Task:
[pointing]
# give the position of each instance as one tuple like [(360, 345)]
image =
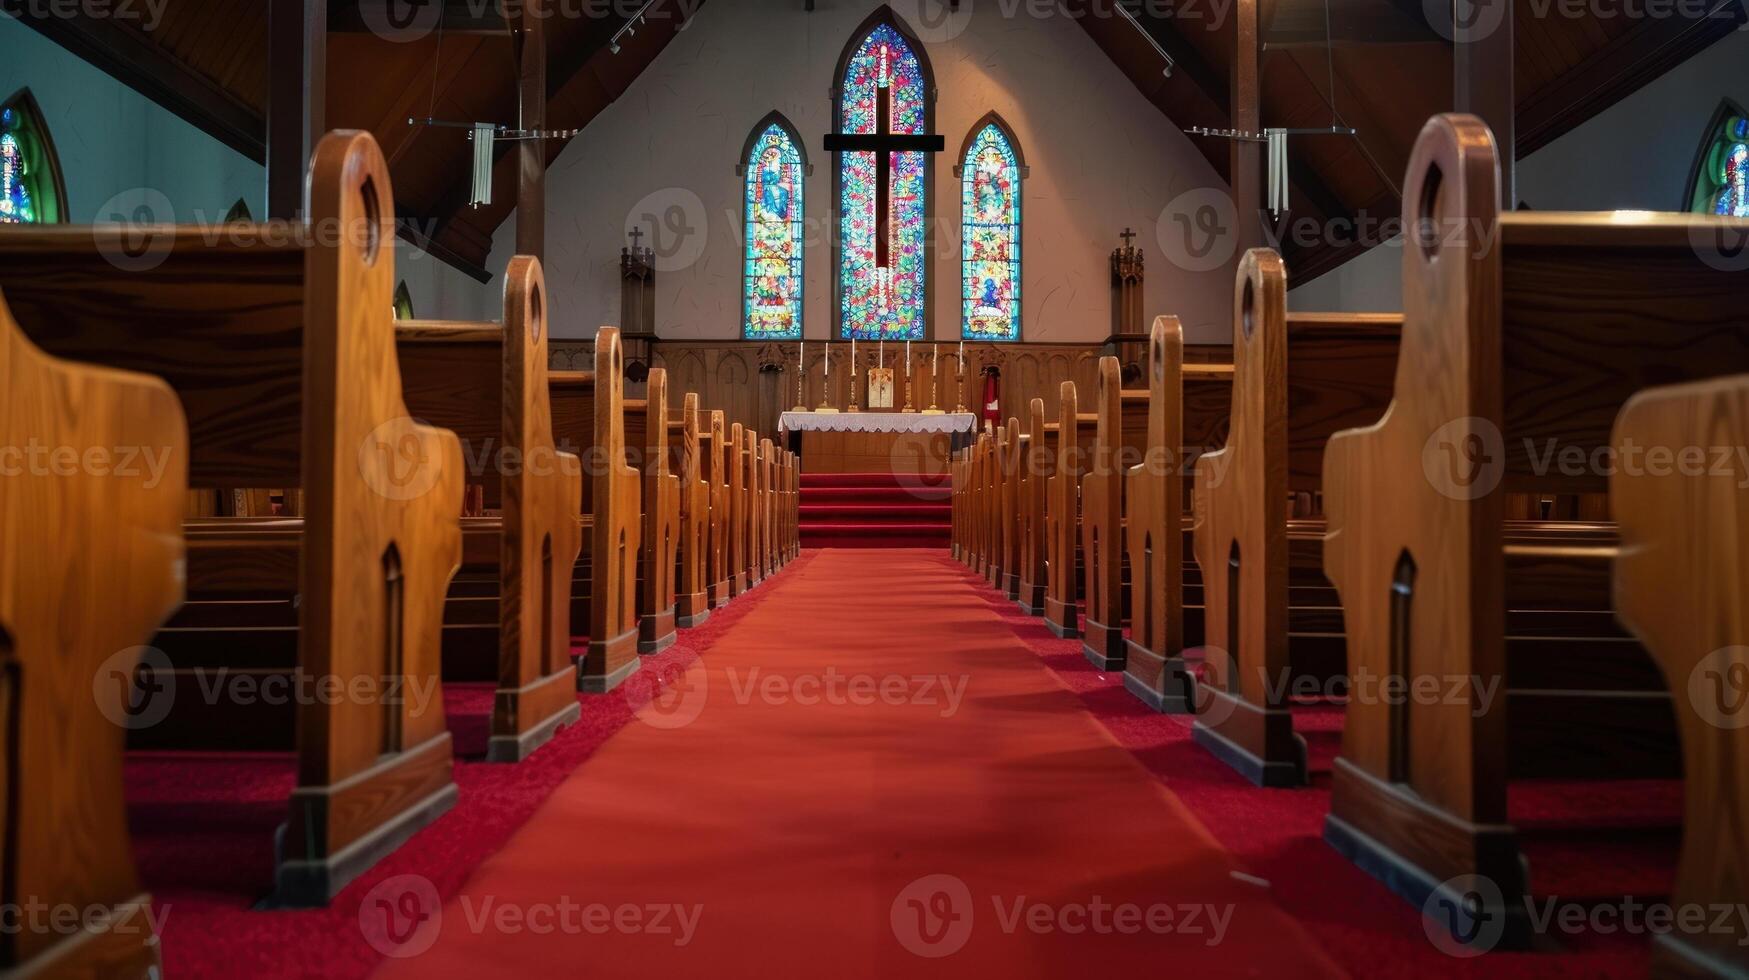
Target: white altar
[(877, 442)]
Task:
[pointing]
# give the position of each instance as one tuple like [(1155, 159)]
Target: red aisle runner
[(869, 775)]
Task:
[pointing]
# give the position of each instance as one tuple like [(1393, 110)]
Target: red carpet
[(869, 775), (1588, 843), (203, 824), (875, 510)]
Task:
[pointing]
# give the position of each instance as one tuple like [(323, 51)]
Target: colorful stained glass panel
[(990, 238), (772, 275), (890, 303), (1724, 179)]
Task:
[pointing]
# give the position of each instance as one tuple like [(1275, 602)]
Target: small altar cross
[(1128, 236)]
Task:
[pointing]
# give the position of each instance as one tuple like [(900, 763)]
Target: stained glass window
[(30, 181), (882, 290), (1722, 184), (771, 292), (990, 173)]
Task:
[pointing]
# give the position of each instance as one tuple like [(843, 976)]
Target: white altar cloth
[(876, 422)]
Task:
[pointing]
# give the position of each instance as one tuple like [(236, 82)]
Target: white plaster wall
[(112, 142), (1635, 155), (1101, 158)]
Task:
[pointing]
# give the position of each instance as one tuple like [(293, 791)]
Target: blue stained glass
[(772, 270), (990, 238), (16, 206), (1724, 180), (873, 303)]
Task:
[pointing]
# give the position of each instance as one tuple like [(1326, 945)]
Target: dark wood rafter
[(1633, 59), (135, 61)]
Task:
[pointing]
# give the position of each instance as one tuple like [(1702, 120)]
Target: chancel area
[(767, 488)]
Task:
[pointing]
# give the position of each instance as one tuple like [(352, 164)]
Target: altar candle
[(853, 357), (802, 355), (962, 357), (881, 354), (935, 363), (828, 370)]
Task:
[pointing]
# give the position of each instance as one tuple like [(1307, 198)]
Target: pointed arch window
[(773, 165), (31, 188), (403, 301), (884, 85), (990, 171), (239, 212), (1719, 180)]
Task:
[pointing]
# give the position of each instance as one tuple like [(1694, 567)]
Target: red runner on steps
[(875, 510), (869, 775)]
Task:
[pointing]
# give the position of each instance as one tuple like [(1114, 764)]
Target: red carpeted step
[(875, 510), (863, 513), (876, 536), (821, 480)]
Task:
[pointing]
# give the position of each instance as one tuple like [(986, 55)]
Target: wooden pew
[(1038, 462), (1679, 585), (588, 413), (692, 597), (92, 564), (1519, 328), (718, 474), (488, 384), (1062, 610), (1120, 434), (282, 354), (647, 442), (766, 466), (1005, 575), (1297, 379)]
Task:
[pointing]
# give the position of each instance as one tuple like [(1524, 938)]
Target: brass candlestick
[(934, 390), (801, 379), (826, 389), (962, 386), (853, 402)]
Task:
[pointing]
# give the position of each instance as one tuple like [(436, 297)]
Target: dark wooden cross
[(883, 142), (636, 236), (1128, 236)]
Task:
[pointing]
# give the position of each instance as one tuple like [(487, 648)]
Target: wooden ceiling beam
[(456, 17), (1628, 62), (131, 58)]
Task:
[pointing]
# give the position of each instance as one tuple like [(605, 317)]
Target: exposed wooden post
[(531, 154), (297, 95), (1245, 157), (1482, 36)]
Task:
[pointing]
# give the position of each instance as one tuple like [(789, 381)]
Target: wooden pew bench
[(92, 566), (646, 428), (1063, 557), (282, 355), (1522, 331), (605, 579), (1120, 435)]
